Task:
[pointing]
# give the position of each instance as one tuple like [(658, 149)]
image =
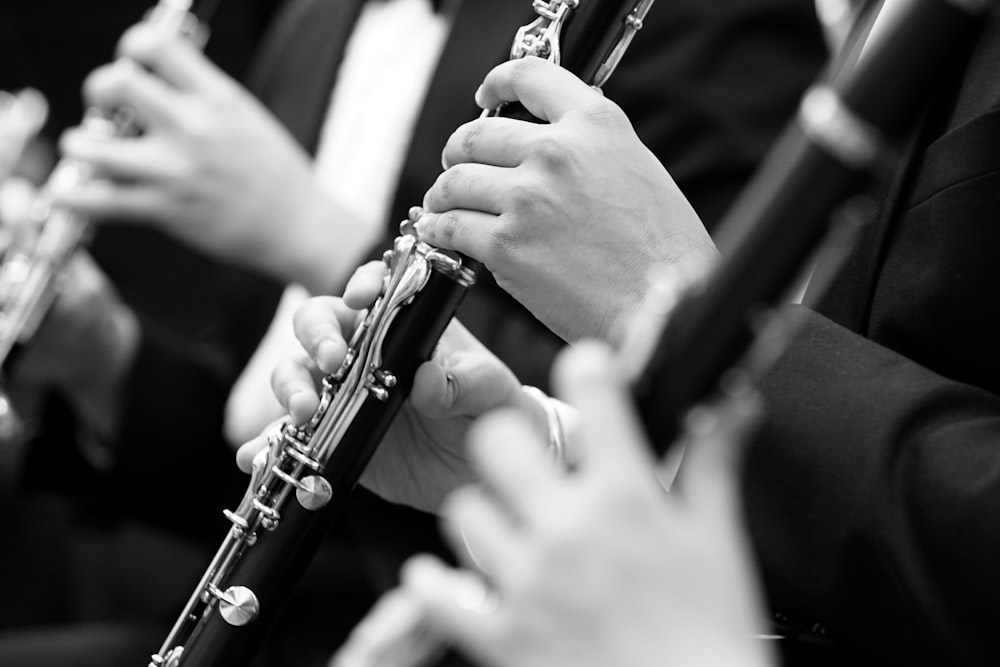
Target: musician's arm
[(877, 518), (212, 168)]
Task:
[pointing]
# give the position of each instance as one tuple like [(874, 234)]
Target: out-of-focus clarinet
[(30, 273), (869, 96), (299, 484), (22, 116)]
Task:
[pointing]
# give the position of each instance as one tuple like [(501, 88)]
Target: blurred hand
[(422, 457), (594, 568), (211, 166), (568, 216), (86, 342)]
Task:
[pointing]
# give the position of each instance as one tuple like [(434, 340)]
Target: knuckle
[(99, 82), (504, 241), (552, 152), (447, 227), (143, 43), (471, 134), (522, 196), (448, 183), (520, 70), (605, 113)]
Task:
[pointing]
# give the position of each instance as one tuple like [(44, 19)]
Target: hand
[(597, 567), (87, 340), (211, 166), (422, 457), (569, 216)]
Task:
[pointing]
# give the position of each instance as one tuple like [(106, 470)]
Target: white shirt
[(383, 78)]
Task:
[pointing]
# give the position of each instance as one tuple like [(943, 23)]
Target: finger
[(464, 231), (718, 435), (174, 59), (121, 158), (610, 440), (457, 603), (321, 325), (395, 631), (511, 458), (463, 379), (500, 142), (294, 386), (102, 199), (250, 449), (476, 187), (365, 285), (546, 90), (479, 530), (124, 84), (16, 198)]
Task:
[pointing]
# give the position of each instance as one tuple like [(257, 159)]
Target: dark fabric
[(39, 34), (294, 70), (872, 493)]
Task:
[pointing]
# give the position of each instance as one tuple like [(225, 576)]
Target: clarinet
[(716, 332), (22, 116), (841, 131), (298, 485), (29, 276)]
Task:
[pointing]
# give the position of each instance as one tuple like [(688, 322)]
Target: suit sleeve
[(709, 85), (872, 498)]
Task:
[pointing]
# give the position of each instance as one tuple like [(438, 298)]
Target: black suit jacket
[(874, 492)]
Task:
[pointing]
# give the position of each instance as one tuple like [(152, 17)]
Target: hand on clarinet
[(568, 216), (211, 166), (593, 568), (422, 457), (87, 341)]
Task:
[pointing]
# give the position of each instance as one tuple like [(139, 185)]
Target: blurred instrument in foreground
[(842, 131)]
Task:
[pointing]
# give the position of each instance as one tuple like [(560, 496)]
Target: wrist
[(330, 243)]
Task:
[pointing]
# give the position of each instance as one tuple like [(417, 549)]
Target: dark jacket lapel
[(474, 46), (296, 65)]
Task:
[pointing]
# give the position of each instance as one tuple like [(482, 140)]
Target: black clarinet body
[(778, 222), (299, 483)]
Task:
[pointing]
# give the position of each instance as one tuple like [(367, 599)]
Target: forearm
[(326, 247), (870, 497)]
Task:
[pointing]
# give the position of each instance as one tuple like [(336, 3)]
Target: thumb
[(463, 379), (463, 386)]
